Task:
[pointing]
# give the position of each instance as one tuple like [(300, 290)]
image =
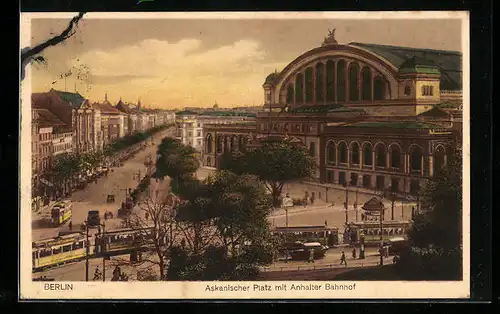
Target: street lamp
[(381, 218), (346, 202), (356, 203)]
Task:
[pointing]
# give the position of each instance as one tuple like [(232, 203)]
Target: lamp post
[(356, 203), (87, 252), (104, 257), (381, 236), (346, 202), (393, 199)]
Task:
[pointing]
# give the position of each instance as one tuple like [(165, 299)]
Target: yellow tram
[(61, 212), (54, 251)]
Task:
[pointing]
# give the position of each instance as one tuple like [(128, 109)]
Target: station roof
[(449, 63)]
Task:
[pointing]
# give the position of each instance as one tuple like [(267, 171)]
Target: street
[(93, 197)]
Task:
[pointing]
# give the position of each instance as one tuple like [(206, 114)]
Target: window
[(329, 176), (198, 134), (427, 90), (408, 89), (312, 149)]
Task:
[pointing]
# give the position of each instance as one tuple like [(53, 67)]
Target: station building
[(374, 116)]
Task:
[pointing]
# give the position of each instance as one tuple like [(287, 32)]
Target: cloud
[(182, 72)]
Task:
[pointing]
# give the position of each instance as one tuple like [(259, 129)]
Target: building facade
[(190, 125), (373, 116)]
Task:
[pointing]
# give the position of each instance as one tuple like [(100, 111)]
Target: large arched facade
[(336, 74)]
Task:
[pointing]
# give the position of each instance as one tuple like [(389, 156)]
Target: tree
[(29, 54), (64, 168), (175, 159), (436, 233), (274, 163), (233, 211), (154, 221)]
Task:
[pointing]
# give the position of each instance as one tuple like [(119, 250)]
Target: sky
[(175, 63)]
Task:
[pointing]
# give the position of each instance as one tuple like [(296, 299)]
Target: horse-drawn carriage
[(126, 207), (110, 198)]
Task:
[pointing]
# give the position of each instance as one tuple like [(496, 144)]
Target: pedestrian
[(70, 225), (311, 256), (354, 253), (97, 273), (146, 216), (342, 259)]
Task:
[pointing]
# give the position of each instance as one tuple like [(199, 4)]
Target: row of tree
[(132, 139), (67, 167)]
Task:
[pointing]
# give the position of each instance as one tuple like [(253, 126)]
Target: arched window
[(380, 155), (355, 153), (227, 142), (416, 159), (353, 81), (309, 85), (424, 90), (219, 144), (299, 88), (289, 94), (343, 152), (395, 156), (330, 152), (378, 88), (341, 83), (241, 143), (367, 154), (319, 81), (285, 127), (330, 80), (366, 76), (233, 143), (439, 157), (209, 144), (431, 90)]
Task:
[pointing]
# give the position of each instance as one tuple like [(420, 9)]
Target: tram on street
[(328, 236), (59, 250), (61, 212), (372, 230), (122, 241)]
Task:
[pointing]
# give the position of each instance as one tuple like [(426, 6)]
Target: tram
[(59, 250), (324, 235), (372, 230), (123, 241), (61, 212)]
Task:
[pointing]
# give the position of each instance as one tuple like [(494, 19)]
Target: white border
[(196, 290)]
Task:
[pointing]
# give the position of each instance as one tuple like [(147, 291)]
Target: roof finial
[(330, 39), (106, 97)]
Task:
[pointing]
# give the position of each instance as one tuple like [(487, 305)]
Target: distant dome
[(215, 106)]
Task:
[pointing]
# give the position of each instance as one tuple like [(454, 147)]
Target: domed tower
[(420, 82), (268, 86)]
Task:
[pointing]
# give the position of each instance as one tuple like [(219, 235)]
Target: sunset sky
[(173, 63)]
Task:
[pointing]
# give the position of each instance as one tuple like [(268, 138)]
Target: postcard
[(257, 155)]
